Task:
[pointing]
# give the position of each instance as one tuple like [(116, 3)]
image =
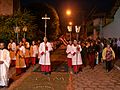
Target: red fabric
[(42, 53), (78, 49), (27, 62), (69, 62), (33, 60), (74, 53), (68, 52), (109, 55), (13, 62), (46, 48), (18, 70), (91, 59), (76, 68), (46, 68)]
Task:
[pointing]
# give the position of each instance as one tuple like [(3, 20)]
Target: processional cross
[(45, 18)]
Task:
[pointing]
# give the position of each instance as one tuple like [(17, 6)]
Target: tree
[(20, 19)]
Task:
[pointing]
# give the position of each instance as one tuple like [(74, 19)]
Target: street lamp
[(70, 23), (68, 12), (17, 30), (69, 30), (77, 29), (24, 30)]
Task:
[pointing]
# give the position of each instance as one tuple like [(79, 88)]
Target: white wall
[(113, 29)]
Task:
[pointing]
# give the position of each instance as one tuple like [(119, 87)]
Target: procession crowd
[(91, 52), (79, 53)]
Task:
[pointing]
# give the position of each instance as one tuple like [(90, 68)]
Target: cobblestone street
[(97, 79)]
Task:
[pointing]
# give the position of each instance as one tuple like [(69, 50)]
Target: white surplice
[(69, 51), (4, 68), (76, 59), (45, 58)]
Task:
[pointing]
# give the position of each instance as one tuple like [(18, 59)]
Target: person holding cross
[(44, 50)]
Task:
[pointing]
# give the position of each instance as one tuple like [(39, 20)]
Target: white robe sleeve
[(67, 51), (80, 48), (7, 58), (40, 48)]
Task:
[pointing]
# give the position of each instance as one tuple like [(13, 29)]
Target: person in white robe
[(44, 50), (4, 65), (69, 55), (76, 58)]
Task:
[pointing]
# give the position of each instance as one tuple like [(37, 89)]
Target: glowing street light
[(68, 12), (70, 23)]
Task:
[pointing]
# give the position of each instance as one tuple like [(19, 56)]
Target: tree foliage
[(39, 10), (32, 18), (20, 19)]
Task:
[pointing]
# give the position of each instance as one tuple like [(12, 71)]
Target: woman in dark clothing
[(91, 55), (84, 54), (97, 51)]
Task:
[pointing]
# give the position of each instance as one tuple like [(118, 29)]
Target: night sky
[(79, 8)]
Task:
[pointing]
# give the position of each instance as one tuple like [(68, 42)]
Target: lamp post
[(24, 30), (70, 30), (17, 30), (77, 29)]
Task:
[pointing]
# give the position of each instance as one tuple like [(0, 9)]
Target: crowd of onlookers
[(93, 52)]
